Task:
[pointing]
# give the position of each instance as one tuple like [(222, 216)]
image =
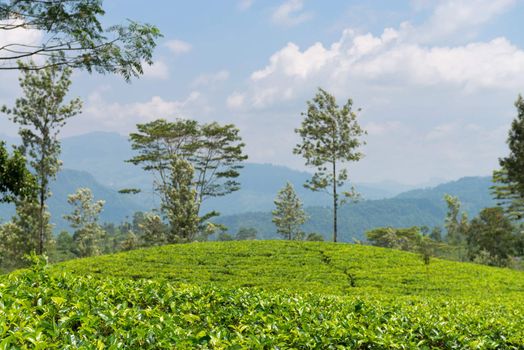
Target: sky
[(435, 80)]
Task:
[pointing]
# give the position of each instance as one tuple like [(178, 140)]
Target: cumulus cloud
[(394, 58), (290, 13), (123, 117), (235, 100), (460, 16), (158, 70), (178, 47), (430, 102)]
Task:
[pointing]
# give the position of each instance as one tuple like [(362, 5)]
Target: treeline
[(491, 238)]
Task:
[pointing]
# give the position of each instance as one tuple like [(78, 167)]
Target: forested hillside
[(424, 207)]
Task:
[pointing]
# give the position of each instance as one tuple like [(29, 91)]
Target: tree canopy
[(72, 31), (330, 137), (15, 179)]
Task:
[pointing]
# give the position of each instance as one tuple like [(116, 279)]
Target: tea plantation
[(262, 295)]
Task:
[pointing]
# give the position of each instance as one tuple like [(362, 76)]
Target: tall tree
[(73, 33), (330, 137), (181, 208), (41, 113), (509, 180), (456, 223), (507, 195), (491, 232), (84, 219), (16, 181), (214, 151), (19, 237), (289, 215)]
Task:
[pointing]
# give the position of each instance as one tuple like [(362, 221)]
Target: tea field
[(320, 267), (262, 295)]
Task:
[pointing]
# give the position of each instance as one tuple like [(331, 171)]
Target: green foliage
[(20, 236), (302, 298), (289, 216), (397, 238), (180, 205), (41, 113), (214, 152), (154, 232), (42, 310), (457, 229), (330, 136), (506, 193), (513, 164), (246, 234), (74, 35), (491, 238), (314, 237), (16, 182), (84, 219), (296, 265)]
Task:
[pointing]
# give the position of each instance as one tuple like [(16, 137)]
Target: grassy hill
[(328, 268), (262, 295)]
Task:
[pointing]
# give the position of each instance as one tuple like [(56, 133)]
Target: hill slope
[(386, 300), (329, 268)]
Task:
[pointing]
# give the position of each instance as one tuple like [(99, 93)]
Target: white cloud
[(433, 106), (158, 70), (18, 38), (244, 5), (392, 58), (235, 100), (452, 17), (178, 47), (290, 13), (123, 117), (209, 79)]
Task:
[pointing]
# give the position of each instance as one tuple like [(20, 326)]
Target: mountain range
[(97, 161)]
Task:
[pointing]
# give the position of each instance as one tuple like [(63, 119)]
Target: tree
[(246, 234), (314, 237), (457, 229), (507, 195), (16, 181), (84, 219), (41, 113), (224, 236), (153, 230), (397, 238), (215, 153), (330, 136), (19, 237), (491, 232), (73, 33), (509, 180), (289, 215), (181, 207)]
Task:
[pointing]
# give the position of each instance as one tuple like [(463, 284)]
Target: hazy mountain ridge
[(97, 161)]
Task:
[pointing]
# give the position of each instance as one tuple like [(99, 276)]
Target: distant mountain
[(103, 154), (97, 161), (473, 193), (116, 209), (423, 207), (354, 219)]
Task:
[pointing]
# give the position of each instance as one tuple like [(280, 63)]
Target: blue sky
[(436, 80)]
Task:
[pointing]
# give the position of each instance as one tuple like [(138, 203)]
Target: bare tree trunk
[(41, 230)]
